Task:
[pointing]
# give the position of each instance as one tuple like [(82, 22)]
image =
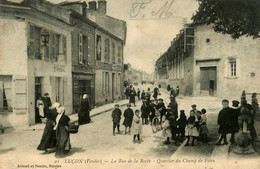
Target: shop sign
[(84, 69)]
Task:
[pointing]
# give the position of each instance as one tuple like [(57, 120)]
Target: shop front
[(83, 83)]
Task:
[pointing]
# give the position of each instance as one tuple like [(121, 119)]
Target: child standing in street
[(128, 114), (223, 122), (182, 122), (166, 132), (191, 130), (137, 126), (203, 126), (116, 117)]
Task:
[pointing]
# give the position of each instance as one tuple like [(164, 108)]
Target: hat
[(235, 103), (194, 105)]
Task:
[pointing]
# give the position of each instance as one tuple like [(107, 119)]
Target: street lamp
[(45, 37)]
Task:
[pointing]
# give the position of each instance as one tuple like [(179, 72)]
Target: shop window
[(5, 93)]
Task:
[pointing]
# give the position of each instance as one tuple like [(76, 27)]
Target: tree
[(233, 17)]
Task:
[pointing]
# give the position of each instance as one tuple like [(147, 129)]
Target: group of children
[(132, 121), (194, 127)]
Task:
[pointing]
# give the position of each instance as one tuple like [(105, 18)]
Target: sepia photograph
[(89, 84)]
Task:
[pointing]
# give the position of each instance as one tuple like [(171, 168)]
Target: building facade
[(65, 49), (29, 67), (203, 62), (109, 41), (83, 53)]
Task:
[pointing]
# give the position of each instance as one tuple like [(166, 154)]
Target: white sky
[(147, 39)]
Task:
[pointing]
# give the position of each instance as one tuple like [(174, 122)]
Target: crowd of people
[(173, 127), (194, 127), (56, 135)]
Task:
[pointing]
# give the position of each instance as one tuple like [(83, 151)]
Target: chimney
[(92, 5), (102, 7)]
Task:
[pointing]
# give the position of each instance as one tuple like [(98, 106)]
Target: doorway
[(208, 80), (38, 93)]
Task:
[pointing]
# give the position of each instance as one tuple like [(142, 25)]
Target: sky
[(148, 36)]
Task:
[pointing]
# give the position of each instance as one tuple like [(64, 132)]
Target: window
[(119, 54), (85, 50), (5, 93), (113, 52), (107, 50), (99, 48), (233, 67)]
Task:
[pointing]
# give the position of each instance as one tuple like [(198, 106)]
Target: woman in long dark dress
[(49, 137), (128, 114), (63, 137), (84, 110)]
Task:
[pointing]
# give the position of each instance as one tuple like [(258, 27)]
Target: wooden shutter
[(31, 45), (80, 49), (64, 48), (20, 104)]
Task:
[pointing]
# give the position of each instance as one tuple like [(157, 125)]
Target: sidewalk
[(73, 117)]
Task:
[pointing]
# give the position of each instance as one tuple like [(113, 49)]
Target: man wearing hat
[(174, 106), (233, 118), (161, 107), (145, 109), (116, 117)]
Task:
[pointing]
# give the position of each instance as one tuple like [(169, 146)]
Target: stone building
[(110, 38), (65, 49), (203, 62), (83, 53), (32, 63)]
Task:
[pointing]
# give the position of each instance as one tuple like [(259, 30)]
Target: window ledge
[(232, 77)]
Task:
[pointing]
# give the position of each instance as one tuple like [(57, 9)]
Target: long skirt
[(191, 131), (84, 117), (48, 137), (63, 141)]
